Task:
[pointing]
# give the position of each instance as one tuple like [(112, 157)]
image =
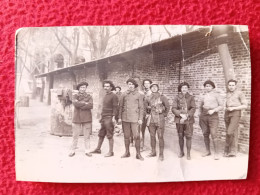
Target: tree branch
[(116, 32), (168, 32), (60, 40)]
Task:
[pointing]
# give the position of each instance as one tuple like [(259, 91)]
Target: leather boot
[(207, 144), (215, 144), (98, 149), (131, 141), (127, 153), (188, 145), (142, 142), (181, 144), (111, 143), (153, 145), (72, 153), (232, 153), (161, 148), (137, 146), (227, 146)]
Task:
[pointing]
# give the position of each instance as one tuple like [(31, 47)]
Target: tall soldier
[(211, 104), (108, 118), (82, 117), (236, 102), (147, 93), (183, 108), (131, 108), (159, 107)]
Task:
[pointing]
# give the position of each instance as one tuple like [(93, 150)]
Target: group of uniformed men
[(137, 111)]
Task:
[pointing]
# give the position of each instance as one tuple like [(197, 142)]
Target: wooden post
[(50, 79), (220, 34)]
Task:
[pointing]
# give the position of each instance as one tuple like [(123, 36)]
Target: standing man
[(118, 94), (183, 108), (108, 118), (131, 108), (211, 104), (82, 117), (118, 91), (147, 93), (118, 127), (158, 107), (236, 102)]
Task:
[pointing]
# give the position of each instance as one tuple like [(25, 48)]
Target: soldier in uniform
[(118, 127), (131, 108), (236, 102), (147, 93), (158, 107), (183, 108), (108, 118), (118, 92), (211, 104), (82, 117)]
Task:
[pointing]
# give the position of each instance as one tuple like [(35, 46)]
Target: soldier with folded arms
[(82, 117)]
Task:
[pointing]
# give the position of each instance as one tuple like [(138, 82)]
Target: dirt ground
[(44, 157)]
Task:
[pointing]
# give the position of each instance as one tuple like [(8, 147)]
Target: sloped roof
[(181, 45)]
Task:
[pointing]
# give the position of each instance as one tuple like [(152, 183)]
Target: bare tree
[(168, 32), (66, 42), (99, 38)]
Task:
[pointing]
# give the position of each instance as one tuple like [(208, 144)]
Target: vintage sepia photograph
[(127, 104)]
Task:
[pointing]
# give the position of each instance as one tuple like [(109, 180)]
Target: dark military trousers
[(129, 127), (107, 127), (143, 128), (209, 126), (184, 130), (232, 123), (159, 128)]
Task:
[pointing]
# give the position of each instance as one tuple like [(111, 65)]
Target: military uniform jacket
[(184, 105), (83, 103), (131, 106)]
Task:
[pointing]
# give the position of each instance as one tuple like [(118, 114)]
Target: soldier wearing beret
[(211, 104), (108, 117), (235, 103), (131, 108), (118, 94), (183, 107), (118, 91), (82, 117)]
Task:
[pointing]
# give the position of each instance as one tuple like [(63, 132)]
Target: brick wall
[(163, 67), (208, 66)]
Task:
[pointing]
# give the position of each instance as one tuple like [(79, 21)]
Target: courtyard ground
[(41, 156)]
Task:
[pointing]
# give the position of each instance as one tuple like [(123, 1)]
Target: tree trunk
[(34, 88), (42, 90)]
